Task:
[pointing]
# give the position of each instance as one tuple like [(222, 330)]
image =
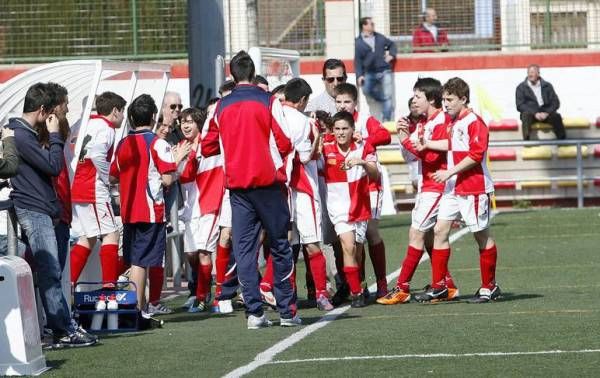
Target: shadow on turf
[(55, 364), (507, 297)]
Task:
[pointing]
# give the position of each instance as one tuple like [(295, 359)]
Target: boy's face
[(62, 109), (420, 102), (343, 132), (453, 104), (189, 128), (163, 130), (345, 102), (119, 116)]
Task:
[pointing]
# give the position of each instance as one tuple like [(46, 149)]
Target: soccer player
[(90, 193), (202, 182), (349, 166), (427, 101), (467, 194), (143, 164), (368, 128)]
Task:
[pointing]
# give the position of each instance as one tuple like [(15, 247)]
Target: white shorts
[(307, 217), (474, 209), (201, 234), (95, 219), (376, 204), (359, 229), (225, 214), (413, 170), (425, 212)]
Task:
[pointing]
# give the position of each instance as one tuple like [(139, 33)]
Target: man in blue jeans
[(37, 207), (373, 57)]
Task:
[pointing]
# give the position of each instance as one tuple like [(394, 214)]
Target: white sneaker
[(189, 302), (293, 322), (268, 298), (225, 307), (159, 309), (257, 322)]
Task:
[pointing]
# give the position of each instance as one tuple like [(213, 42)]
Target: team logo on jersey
[(331, 161)]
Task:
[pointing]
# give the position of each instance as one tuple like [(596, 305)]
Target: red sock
[(450, 281), (79, 256), (121, 265), (439, 266), (203, 285), (319, 273), (222, 261), (377, 255), (353, 278), (156, 276), (409, 266), (267, 280), (109, 261), (487, 265)]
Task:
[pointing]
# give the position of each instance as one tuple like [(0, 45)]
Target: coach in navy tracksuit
[(250, 123)]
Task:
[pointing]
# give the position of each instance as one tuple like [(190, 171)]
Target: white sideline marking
[(266, 357), (435, 355)]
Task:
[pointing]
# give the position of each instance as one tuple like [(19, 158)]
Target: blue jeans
[(39, 230), (380, 87), (63, 237)]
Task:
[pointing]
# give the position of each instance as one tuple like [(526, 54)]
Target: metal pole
[(579, 177), (174, 240), (11, 231), (134, 26), (219, 71)]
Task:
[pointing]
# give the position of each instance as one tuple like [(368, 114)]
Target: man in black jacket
[(537, 102)]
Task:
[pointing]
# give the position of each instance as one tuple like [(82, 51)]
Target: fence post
[(134, 26), (579, 177), (174, 240)]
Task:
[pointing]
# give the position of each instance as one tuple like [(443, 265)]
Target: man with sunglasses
[(373, 57), (334, 73), (170, 115)]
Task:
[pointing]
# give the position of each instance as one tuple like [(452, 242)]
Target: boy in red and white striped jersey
[(348, 168), (468, 190)]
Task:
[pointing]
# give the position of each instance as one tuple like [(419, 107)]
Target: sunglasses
[(176, 106), (340, 79)]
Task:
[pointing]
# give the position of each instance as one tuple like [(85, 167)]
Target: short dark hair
[(227, 86), (198, 115), (363, 21), (324, 118), (242, 67), (107, 101), (347, 88), (343, 116), (278, 89), (60, 92), (432, 89), (141, 111), (296, 89), (38, 95), (332, 64), (457, 86), (212, 100), (258, 79)]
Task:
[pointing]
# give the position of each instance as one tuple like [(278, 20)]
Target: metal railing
[(579, 176)]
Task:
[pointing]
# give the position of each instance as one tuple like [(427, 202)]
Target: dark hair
[(38, 95), (332, 64), (432, 89), (343, 116), (242, 67), (363, 21), (141, 111), (59, 91), (296, 89), (227, 86), (278, 89), (347, 88), (410, 102), (324, 118), (107, 101), (258, 79), (457, 86), (212, 100), (198, 115)]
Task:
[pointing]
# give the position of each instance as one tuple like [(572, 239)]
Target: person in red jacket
[(428, 37), (248, 125)]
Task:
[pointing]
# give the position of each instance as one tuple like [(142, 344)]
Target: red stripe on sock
[(353, 278), (487, 265), (267, 279), (377, 255), (109, 260), (204, 276), (319, 273), (78, 259), (439, 266), (409, 266), (156, 276)]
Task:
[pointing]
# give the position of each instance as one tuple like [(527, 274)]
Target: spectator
[(334, 73), (226, 88), (10, 160), (36, 207), (261, 82), (428, 37), (373, 57), (171, 114), (537, 102)]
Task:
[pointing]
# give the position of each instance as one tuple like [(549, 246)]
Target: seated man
[(537, 102)]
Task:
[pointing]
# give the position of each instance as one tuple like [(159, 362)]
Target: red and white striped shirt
[(429, 161), (348, 198), (140, 160), (373, 132), (468, 136), (90, 181)]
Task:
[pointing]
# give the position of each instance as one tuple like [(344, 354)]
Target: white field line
[(267, 356), (435, 355)]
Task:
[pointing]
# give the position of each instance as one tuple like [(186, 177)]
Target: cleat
[(268, 298), (453, 293), (358, 301), (395, 296), (189, 302), (484, 295), (198, 306), (257, 322), (76, 339), (292, 322), (433, 295), (340, 296), (323, 303), (159, 309), (382, 290)]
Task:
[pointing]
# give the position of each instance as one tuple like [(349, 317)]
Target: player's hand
[(360, 81), (543, 116), (357, 137), (52, 123), (7, 133), (419, 145), (350, 163), (402, 128), (441, 176)]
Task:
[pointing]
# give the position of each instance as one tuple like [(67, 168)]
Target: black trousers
[(554, 119)]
